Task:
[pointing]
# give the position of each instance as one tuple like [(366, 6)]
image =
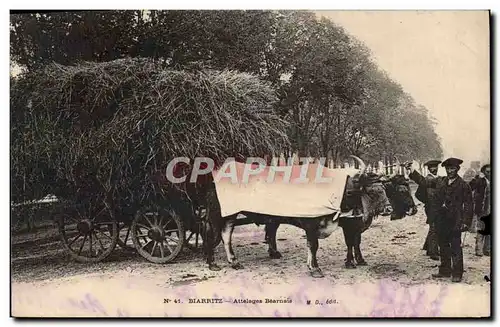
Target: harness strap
[(349, 214)]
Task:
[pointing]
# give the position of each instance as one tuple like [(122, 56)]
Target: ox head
[(365, 195), (398, 191)]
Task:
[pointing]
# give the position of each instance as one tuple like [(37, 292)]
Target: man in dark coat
[(481, 187), (453, 217), (428, 197)]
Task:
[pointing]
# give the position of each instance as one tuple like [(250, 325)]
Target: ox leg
[(227, 235), (271, 229), (208, 238), (312, 248), (211, 227), (358, 230), (349, 237)]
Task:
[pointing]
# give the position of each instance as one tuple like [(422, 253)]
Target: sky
[(442, 59)]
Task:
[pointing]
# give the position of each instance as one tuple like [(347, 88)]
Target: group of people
[(453, 206)]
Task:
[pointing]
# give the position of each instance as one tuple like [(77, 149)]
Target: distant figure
[(427, 195), (469, 175), (454, 217), (481, 186)]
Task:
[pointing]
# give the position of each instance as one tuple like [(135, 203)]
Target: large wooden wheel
[(88, 232), (195, 235), (158, 234)]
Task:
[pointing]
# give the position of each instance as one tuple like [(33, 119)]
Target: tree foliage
[(335, 97)]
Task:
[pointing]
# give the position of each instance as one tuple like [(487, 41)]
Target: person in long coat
[(481, 187), (454, 216), (427, 196)]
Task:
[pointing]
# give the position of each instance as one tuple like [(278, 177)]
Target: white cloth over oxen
[(305, 194)]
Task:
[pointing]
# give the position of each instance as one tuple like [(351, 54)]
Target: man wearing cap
[(454, 216), (482, 207), (427, 196)]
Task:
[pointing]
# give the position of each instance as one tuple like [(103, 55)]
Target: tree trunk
[(335, 157)]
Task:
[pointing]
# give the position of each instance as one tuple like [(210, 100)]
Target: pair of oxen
[(366, 196)]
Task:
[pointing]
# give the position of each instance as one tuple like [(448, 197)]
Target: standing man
[(427, 195), (481, 185), (454, 197)]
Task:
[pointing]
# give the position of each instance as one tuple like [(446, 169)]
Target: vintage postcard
[(250, 163)]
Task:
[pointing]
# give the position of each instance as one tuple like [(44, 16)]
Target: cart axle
[(84, 227), (157, 234)]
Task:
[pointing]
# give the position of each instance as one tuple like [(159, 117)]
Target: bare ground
[(396, 282)]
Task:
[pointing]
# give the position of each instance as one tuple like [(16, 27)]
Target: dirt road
[(396, 282)]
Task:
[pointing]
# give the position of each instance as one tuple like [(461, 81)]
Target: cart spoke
[(168, 221), (145, 217), (98, 240), (139, 230), (89, 212), (162, 250), (97, 214), (100, 231), (143, 226), (83, 243), (144, 239), (90, 246), (169, 248), (144, 236), (73, 241), (146, 244), (162, 219), (154, 248), (126, 236), (172, 239)]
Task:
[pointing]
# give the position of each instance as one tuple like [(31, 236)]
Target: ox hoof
[(361, 262), (316, 273), (237, 266), (213, 267), (275, 255), (350, 265)]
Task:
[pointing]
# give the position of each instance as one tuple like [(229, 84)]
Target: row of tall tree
[(336, 98)]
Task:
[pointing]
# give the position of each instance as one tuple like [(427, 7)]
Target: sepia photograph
[(250, 163)]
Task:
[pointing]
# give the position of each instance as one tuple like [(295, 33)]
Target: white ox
[(344, 196)]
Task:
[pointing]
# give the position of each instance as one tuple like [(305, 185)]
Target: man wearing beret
[(454, 216), (428, 197)]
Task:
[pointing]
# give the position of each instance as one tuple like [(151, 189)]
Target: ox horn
[(362, 165)]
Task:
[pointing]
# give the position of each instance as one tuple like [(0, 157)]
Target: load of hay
[(105, 129)]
